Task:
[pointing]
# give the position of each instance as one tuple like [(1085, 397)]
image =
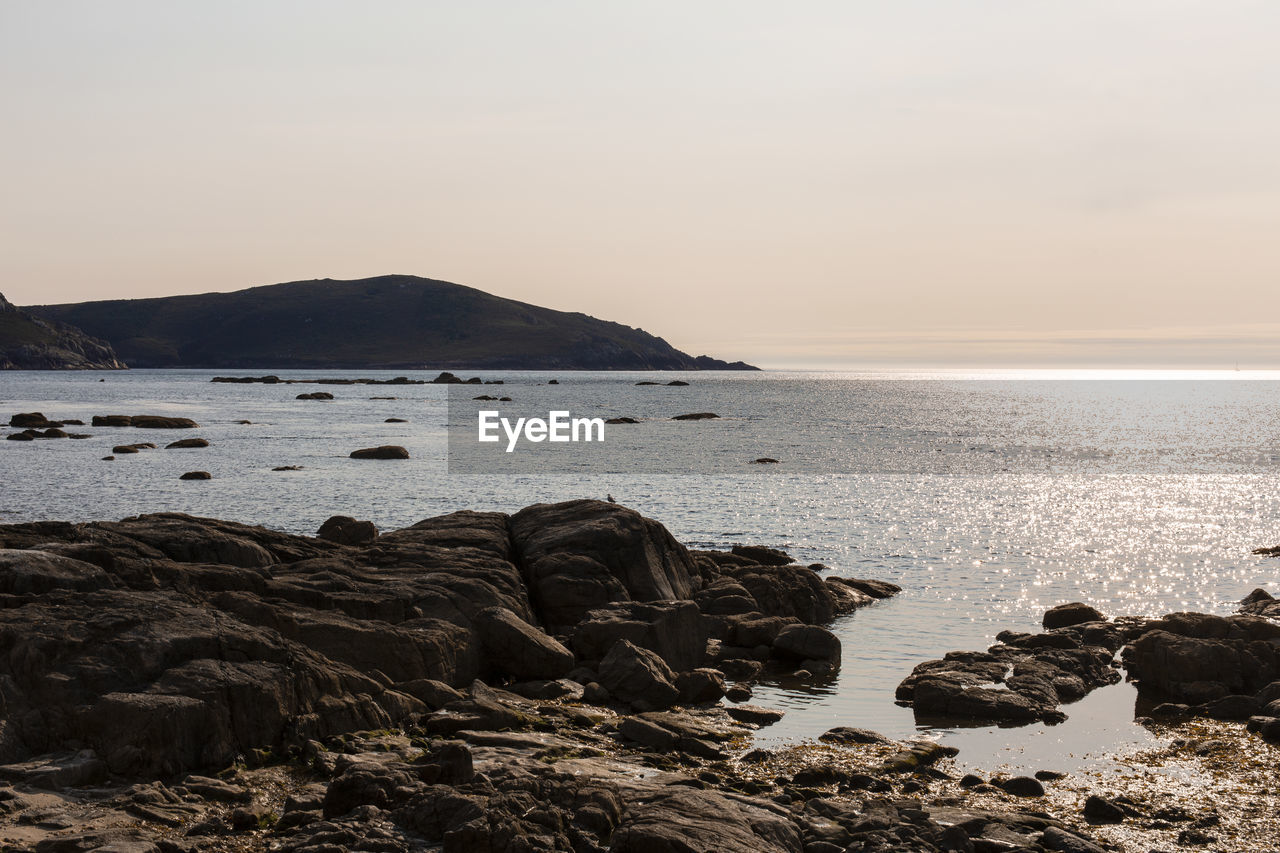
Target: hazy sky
[(905, 182)]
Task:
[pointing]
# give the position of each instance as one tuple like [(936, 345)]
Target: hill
[(29, 343), (394, 321)]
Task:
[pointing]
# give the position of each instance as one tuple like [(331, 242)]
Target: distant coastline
[(394, 322)]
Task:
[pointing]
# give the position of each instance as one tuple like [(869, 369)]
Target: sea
[(989, 496)]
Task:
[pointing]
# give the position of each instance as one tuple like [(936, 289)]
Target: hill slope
[(29, 343), (394, 321)]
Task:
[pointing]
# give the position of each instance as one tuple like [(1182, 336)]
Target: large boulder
[(515, 647), (169, 643), (638, 677), (673, 630), (956, 694), (188, 539), (156, 684), (639, 552)]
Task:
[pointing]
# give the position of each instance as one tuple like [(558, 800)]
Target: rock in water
[(32, 420), (187, 443), (144, 421), (385, 451), (807, 642), (196, 475)]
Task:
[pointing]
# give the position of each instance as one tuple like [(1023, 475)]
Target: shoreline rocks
[(476, 681), (356, 614)]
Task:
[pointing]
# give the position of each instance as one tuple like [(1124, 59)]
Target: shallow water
[(988, 499)]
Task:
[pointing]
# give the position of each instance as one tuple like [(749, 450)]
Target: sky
[(837, 184)]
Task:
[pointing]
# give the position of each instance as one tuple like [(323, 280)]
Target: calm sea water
[(988, 497)]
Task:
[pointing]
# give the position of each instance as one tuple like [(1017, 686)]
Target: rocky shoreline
[(547, 680)]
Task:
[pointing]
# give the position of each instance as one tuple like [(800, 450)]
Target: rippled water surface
[(987, 499)]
